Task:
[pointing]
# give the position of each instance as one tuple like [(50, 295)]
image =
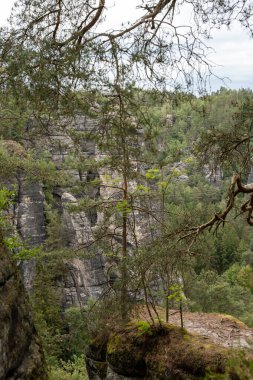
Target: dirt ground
[(221, 329)]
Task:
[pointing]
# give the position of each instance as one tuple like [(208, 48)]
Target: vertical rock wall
[(30, 222), (21, 356), (82, 279)]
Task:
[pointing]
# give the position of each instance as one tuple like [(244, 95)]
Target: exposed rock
[(30, 222), (77, 223), (166, 352), (96, 370), (83, 280), (21, 356), (220, 329), (213, 175), (180, 169), (96, 363), (170, 120), (111, 375), (250, 176)]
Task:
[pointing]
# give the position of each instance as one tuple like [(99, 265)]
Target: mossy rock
[(96, 363), (170, 353), (125, 354), (96, 369), (97, 347)]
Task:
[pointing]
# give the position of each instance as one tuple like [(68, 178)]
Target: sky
[(232, 49)]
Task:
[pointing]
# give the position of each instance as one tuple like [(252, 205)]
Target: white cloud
[(5, 11), (234, 56)]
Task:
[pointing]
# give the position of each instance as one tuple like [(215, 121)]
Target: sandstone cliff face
[(21, 356), (82, 279)]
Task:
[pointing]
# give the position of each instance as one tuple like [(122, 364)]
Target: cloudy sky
[(233, 49)]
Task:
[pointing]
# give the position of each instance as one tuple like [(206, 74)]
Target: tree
[(58, 57), (53, 48), (226, 143), (52, 51)]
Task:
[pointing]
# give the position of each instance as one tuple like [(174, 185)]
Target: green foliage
[(238, 366), (45, 300), (13, 118), (144, 328), (227, 293), (226, 130), (75, 320), (123, 207), (20, 250), (141, 189), (176, 293), (245, 277), (152, 173), (226, 250), (69, 370), (45, 59), (217, 270), (6, 198), (57, 232)]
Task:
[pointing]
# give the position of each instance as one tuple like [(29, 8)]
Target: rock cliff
[(166, 352), (21, 356), (82, 279)]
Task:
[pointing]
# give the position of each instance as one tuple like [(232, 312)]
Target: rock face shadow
[(21, 355)]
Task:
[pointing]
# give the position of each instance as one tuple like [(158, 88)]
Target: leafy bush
[(70, 370)]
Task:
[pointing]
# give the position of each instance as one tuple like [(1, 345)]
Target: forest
[(126, 193)]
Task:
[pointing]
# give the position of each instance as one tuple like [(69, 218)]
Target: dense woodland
[(183, 184), (175, 191)]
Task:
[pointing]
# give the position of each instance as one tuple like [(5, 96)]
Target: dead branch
[(236, 188)]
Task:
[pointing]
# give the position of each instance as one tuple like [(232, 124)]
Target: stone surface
[(166, 352), (30, 212), (96, 370), (82, 278), (21, 356), (220, 329), (111, 375), (30, 222), (82, 281), (213, 175)]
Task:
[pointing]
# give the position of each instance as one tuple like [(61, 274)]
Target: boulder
[(166, 352)]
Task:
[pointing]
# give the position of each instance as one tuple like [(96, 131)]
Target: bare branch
[(235, 188)]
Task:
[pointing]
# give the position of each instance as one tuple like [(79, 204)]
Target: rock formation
[(163, 352), (82, 279), (21, 356)]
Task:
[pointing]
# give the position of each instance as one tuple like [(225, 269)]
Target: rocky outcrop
[(223, 330), (82, 279), (163, 352), (21, 356), (30, 222)]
